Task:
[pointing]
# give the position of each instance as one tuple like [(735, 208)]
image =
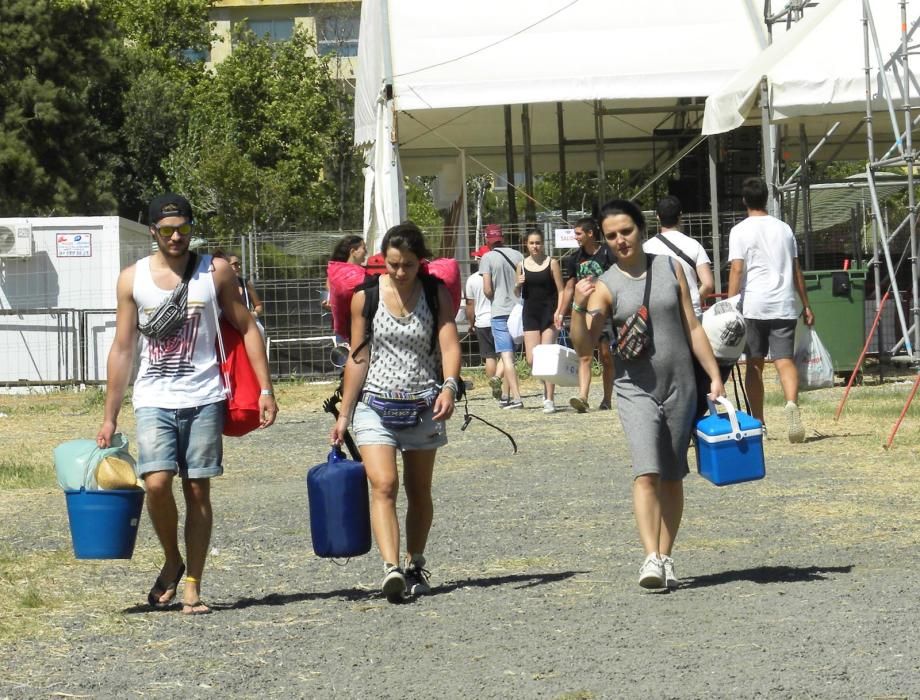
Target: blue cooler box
[(729, 446)]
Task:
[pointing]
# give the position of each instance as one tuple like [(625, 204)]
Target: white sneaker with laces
[(394, 583), (670, 578), (651, 573), (549, 406)]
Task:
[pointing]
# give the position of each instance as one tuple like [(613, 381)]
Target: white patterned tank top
[(400, 357)]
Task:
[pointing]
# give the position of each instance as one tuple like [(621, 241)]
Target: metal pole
[(714, 213), (599, 150), (509, 167), (530, 210), (806, 198), (768, 136), (563, 184), (911, 197)]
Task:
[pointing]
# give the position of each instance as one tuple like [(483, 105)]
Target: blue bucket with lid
[(103, 524)]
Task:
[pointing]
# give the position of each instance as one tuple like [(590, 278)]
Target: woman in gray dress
[(656, 392)]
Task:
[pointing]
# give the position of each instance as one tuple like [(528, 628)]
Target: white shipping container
[(57, 294)]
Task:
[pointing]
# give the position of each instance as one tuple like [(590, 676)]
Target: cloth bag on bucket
[(340, 519)]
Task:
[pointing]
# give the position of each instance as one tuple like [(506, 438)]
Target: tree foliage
[(261, 134), (59, 108)]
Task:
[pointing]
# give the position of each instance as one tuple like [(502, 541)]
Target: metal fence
[(288, 270)]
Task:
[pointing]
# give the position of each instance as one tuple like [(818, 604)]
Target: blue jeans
[(186, 441)]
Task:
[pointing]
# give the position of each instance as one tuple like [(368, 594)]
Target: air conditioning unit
[(15, 240)]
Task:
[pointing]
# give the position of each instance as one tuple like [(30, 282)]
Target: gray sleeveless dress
[(656, 394)]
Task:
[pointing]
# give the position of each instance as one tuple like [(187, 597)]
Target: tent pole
[(599, 150), (805, 183), (714, 213), (530, 210), (768, 136), (509, 167), (563, 184), (911, 197)]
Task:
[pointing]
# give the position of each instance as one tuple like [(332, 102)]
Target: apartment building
[(334, 23)]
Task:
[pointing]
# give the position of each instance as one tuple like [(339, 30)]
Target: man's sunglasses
[(168, 231)]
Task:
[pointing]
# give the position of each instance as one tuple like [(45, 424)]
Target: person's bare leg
[(418, 469), (647, 509), (584, 377), (788, 378), (606, 360), (671, 500), (548, 337), (199, 518), (380, 465), (753, 384), (164, 515), (531, 340), (510, 376), (490, 365)]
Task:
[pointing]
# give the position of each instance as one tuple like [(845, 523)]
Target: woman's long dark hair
[(406, 237), (344, 247)]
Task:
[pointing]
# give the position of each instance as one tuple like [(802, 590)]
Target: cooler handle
[(336, 455), (730, 410)]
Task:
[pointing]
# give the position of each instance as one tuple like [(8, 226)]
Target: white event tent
[(434, 77)]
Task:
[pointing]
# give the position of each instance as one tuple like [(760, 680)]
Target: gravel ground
[(797, 586)]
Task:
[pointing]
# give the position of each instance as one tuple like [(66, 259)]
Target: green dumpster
[(838, 301)]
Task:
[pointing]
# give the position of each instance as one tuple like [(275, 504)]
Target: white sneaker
[(549, 406), (794, 420), (670, 578), (417, 577), (651, 573), (394, 583)]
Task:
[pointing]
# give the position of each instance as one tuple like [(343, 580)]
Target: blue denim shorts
[(429, 434), (500, 334), (186, 441)]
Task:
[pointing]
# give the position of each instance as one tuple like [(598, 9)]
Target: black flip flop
[(153, 598)]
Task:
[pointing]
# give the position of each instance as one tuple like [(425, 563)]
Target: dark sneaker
[(417, 577), (603, 406), (514, 403), (394, 583), (579, 404)]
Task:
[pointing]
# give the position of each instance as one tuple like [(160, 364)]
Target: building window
[(337, 35), (197, 55), (272, 29)]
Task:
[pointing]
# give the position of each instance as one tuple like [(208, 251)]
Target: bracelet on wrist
[(578, 308), (451, 384), (267, 392)]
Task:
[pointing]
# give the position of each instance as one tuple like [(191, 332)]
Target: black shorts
[(486, 343), (776, 335), (537, 318)]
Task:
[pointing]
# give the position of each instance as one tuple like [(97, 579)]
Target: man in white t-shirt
[(690, 254), (765, 270), (479, 317)]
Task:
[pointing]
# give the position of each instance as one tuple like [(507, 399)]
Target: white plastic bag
[(813, 361), (516, 323)]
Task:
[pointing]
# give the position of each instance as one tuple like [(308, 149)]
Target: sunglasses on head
[(168, 231)]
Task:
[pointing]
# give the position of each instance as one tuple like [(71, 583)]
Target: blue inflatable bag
[(340, 516)]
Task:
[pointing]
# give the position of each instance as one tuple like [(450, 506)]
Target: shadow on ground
[(767, 574), (357, 594)]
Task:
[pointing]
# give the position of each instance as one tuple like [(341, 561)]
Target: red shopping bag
[(240, 381)]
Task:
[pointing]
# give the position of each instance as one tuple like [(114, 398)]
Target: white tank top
[(182, 371)]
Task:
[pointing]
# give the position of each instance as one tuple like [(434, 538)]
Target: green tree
[(264, 140), (59, 108)]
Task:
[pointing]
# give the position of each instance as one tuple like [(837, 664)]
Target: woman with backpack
[(405, 339), (657, 330)]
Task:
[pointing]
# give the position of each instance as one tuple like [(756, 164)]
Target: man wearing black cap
[(173, 298)]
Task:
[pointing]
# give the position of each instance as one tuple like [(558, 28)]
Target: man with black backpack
[(691, 255)]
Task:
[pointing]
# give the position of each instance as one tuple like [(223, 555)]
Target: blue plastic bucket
[(103, 524)]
